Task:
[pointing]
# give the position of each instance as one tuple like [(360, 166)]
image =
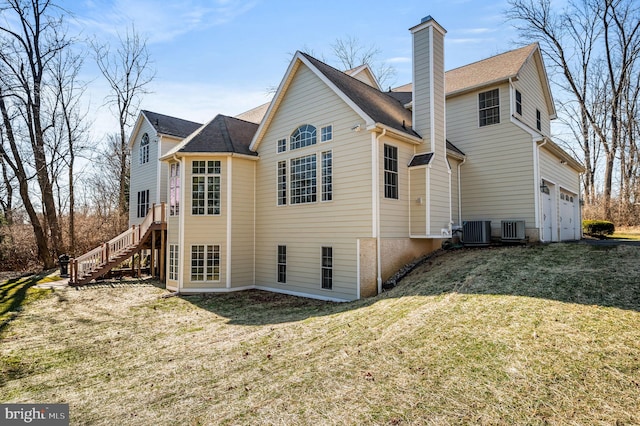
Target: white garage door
[(568, 222)]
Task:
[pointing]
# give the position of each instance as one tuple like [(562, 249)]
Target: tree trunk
[(23, 185)]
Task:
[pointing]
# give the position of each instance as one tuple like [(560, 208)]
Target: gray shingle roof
[(381, 107), (421, 159), (222, 134), (453, 148), (172, 126), (487, 71)]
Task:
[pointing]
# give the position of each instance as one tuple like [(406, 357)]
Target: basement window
[(327, 268)]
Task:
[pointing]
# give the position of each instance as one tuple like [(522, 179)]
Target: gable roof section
[(379, 106), (254, 115), (376, 108), (488, 71), (364, 74), (171, 126), (451, 147), (163, 125), (223, 134)]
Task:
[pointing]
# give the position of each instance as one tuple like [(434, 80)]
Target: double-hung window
[(518, 102), (538, 120), (282, 264), (390, 172), (205, 263), (174, 189), (143, 203), (489, 107), (327, 268), (205, 190)]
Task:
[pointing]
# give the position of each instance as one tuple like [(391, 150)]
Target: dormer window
[(144, 149), (304, 135), (489, 107)]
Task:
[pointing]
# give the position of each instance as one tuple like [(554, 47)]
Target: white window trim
[(286, 145), (322, 268), (174, 262), (278, 264), (206, 175), (321, 166), (204, 273), (324, 127), (478, 108), (286, 183)]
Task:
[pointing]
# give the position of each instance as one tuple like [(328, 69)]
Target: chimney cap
[(428, 21)]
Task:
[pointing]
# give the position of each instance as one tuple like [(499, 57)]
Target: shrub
[(598, 228)]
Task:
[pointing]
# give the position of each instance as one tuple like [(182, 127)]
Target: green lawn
[(519, 335), (17, 292)]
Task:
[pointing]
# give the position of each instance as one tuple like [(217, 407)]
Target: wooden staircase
[(100, 260)]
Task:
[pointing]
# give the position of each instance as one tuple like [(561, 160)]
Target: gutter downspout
[(181, 214), (537, 189), (159, 169), (460, 192), (378, 242), (229, 216), (377, 215)]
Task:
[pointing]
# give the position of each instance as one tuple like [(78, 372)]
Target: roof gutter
[(405, 137)]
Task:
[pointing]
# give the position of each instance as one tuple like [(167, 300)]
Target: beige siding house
[(330, 188), (152, 137)]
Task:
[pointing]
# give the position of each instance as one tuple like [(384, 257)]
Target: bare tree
[(587, 40), (31, 37), (6, 199), (128, 70), (351, 53), (72, 126)]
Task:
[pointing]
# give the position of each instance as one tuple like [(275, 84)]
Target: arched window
[(144, 149), (304, 135)]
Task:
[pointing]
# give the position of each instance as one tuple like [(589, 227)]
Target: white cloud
[(201, 102), (398, 60), (190, 101), (467, 40), (160, 22), (476, 30)]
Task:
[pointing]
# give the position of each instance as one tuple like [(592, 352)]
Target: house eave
[(484, 84), (179, 154), (379, 127)]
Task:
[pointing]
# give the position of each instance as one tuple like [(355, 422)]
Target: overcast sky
[(221, 56)]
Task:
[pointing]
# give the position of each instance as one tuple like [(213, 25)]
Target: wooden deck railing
[(113, 249)]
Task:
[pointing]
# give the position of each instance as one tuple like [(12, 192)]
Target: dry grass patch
[(540, 335), (627, 233)]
